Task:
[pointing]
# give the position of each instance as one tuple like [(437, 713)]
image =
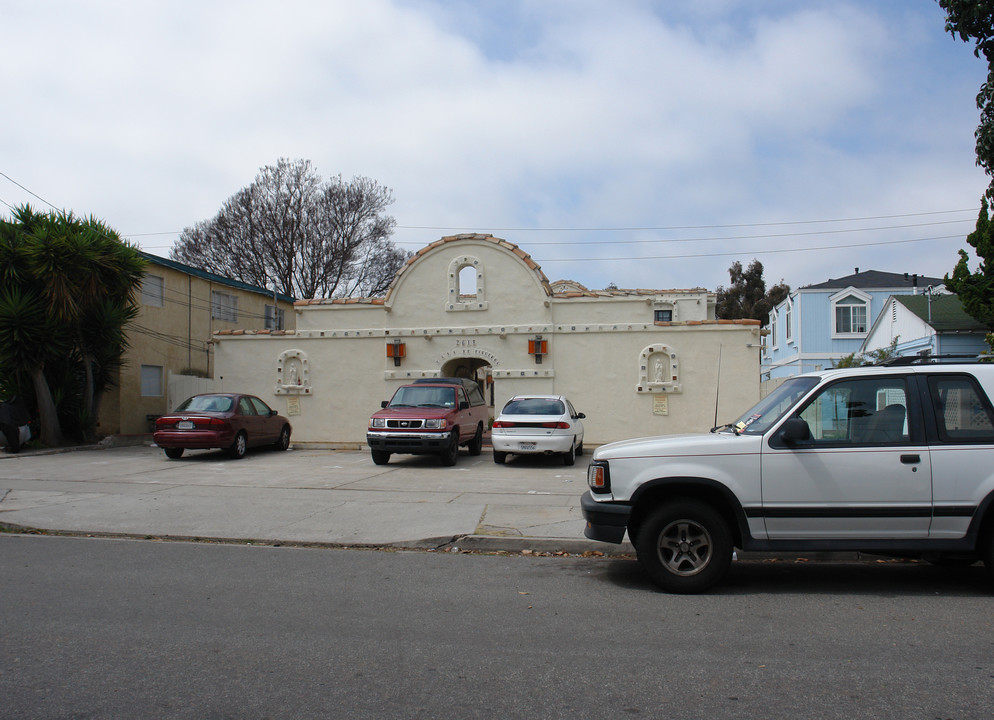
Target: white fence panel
[(183, 386)]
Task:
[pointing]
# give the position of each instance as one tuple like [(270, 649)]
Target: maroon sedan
[(230, 421)]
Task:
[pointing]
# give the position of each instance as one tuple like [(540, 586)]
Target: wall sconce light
[(396, 350), (538, 347)]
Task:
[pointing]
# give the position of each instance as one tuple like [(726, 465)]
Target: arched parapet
[(469, 250)]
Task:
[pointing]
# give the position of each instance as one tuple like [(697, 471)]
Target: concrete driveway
[(301, 496)]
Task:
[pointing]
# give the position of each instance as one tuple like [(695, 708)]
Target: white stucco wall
[(597, 347)]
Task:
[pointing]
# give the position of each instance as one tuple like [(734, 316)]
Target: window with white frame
[(224, 306), (773, 329), (152, 290), (467, 284), (850, 313), (151, 379), (788, 318), (274, 317)]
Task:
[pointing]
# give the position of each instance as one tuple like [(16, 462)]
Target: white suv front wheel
[(684, 546)]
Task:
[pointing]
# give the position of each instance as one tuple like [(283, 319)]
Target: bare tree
[(305, 238)]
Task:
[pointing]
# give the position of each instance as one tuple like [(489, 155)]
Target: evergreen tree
[(976, 289), (747, 296)]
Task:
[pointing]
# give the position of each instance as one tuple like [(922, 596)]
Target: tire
[(380, 457), (476, 444), (284, 440), (988, 552), (173, 453), (579, 449), (500, 457), (238, 448), (684, 547), (451, 453), (569, 457), (950, 561)]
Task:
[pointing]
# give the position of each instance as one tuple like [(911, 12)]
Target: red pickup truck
[(429, 416)]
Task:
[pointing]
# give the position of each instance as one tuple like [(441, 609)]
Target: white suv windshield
[(767, 411)]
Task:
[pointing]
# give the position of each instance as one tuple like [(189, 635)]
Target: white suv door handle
[(911, 459)]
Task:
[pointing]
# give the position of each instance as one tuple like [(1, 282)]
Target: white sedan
[(530, 424)]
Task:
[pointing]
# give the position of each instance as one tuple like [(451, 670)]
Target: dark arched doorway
[(475, 369)]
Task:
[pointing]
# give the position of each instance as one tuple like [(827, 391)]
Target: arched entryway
[(475, 368)]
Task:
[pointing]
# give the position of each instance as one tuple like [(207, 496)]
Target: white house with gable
[(927, 324)]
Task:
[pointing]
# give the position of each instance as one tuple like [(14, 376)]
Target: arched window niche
[(659, 370), (467, 286), (293, 373)]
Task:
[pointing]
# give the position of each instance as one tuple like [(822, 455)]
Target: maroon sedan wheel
[(238, 448)]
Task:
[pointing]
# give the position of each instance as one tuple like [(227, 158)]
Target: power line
[(662, 228), (28, 191), (747, 252), (196, 302), (586, 243), (741, 237), (690, 227), (175, 340)]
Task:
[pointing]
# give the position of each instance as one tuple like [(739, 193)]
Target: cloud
[(502, 115)]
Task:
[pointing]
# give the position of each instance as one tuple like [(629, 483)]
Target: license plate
[(184, 425), (526, 446)]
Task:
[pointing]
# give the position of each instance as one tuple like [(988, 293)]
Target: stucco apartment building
[(636, 362), (181, 309)]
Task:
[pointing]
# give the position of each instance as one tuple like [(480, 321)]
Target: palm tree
[(69, 289), (28, 335), (106, 302)]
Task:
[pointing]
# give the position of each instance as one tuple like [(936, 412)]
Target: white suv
[(893, 460)]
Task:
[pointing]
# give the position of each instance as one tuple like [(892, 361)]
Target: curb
[(456, 544), (500, 543), (460, 543)]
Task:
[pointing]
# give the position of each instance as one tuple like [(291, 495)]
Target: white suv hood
[(717, 443)]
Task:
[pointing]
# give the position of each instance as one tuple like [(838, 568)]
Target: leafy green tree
[(871, 358), (976, 288), (974, 20), (747, 296), (69, 289)]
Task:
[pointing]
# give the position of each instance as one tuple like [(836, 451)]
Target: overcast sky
[(643, 143)]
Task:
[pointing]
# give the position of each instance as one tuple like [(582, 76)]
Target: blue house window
[(850, 318), (788, 321), (850, 309)]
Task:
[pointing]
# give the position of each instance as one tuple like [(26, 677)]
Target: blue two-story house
[(817, 325)]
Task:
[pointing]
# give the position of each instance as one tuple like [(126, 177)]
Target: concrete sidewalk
[(336, 498)]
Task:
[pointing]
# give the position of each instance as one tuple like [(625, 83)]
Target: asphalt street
[(114, 628)]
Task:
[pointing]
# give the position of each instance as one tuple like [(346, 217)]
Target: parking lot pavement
[(301, 496)]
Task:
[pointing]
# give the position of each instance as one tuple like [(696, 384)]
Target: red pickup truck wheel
[(451, 453)]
